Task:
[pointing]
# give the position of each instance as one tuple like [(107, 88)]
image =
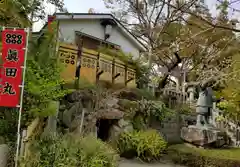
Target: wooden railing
[(94, 66)]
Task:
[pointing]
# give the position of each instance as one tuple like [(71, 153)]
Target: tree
[(174, 35), (210, 52), (153, 22), (43, 80), (23, 13), (231, 92), (222, 4)]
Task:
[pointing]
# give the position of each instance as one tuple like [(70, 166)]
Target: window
[(94, 43)]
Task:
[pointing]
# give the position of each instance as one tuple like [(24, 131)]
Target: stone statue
[(204, 133), (204, 106)]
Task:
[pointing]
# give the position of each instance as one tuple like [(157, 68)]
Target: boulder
[(114, 132), (204, 136), (110, 113), (125, 125), (112, 103), (122, 126), (129, 94), (69, 115)]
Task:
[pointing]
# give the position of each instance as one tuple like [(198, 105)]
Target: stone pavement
[(132, 163)]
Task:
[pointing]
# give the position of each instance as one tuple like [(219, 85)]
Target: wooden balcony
[(95, 66)]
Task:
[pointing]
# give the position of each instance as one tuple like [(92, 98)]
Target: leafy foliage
[(205, 44), (230, 92), (135, 94), (72, 151), (197, 157), (210, 50), (8, 128), (185, 109), (146, 145), (43, 80), (23, 13), (148, 109), (141, 112)]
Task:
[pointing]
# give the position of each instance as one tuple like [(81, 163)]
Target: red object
[(13, 53), (50, 20), (15, 39), (12, 56)]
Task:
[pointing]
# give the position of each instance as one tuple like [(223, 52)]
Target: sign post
[(14, 57)]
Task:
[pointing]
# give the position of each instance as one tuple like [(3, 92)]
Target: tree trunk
[(163, 82)]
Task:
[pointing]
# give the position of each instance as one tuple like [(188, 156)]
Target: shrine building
[(80, 35)]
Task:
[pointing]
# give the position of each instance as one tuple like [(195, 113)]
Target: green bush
[(198, 157), (135, 94), (146, 145), (70, 151)]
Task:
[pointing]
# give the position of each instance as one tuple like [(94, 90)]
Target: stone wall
[(170, 128), (233, 131)]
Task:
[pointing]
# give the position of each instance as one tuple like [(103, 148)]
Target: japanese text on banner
[(13, 52)]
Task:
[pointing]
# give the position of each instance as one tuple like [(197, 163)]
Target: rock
[(76, 122), (114, 132), (3, 155), (129, 94), (128, 104), (128, 128), (80, 95), (202, 136), (125, 125), (110, 113), (122, 123), (112, 103), (122, 126), (72, 113)]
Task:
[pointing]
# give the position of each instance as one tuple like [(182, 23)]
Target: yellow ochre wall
[(105, 65), (131, 74), (88, 68), (89, 61), (119, 67), (68, 57)]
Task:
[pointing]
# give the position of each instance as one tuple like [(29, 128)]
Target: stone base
[(204, 136)]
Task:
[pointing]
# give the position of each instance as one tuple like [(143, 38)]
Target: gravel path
[(132, 163)]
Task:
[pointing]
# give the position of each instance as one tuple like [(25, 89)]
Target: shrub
[(71, 151), (197, 157), (135, 94), (146, 145)]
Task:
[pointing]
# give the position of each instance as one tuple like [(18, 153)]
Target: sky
[(75, 6), (82, 6)]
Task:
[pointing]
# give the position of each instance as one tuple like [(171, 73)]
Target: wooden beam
[(129, 80), (116, 76), (100, 73)]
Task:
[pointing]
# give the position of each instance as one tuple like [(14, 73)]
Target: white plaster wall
[(94, 28)]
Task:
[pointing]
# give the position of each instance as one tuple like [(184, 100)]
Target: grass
[(226, 153)]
